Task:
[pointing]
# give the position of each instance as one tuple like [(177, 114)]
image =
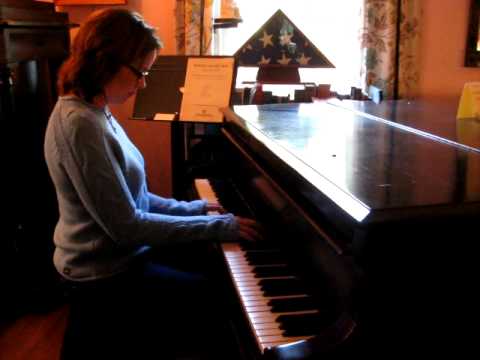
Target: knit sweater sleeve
[(162, 205), (103, 186)]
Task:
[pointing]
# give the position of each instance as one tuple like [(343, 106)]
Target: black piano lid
[(435, 118), (368, 168)]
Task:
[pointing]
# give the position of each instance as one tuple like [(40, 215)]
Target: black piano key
[(265, 257), (293, 304), (301, 324), (293, 320), (259, 245), (270, 271), (302, 331), (282, 287)]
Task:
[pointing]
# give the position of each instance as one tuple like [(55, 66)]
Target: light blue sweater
[(107, 216)]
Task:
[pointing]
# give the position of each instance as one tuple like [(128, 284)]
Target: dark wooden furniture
[(377, 219), (34, 41)]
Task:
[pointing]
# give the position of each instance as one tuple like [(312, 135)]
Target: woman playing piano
[(109, 222)]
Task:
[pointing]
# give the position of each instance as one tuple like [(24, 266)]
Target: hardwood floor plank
[(34, 336)]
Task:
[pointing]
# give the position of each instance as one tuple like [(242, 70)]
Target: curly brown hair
[(107, 40)]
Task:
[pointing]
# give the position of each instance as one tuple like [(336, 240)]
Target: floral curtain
[(188, 18), (390, 46)]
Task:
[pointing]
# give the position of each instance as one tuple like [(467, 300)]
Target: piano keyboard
[(278, 307)]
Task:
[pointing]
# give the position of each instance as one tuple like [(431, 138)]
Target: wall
[(442, 73), (444, 32), (158, 13), (153, 139)]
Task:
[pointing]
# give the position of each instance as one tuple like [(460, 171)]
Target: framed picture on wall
[(90, 2), (472, 54)]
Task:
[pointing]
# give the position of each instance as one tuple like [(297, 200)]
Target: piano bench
[(103, 325), (134, 318)]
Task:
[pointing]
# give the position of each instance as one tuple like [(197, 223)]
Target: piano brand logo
[(204, 113)]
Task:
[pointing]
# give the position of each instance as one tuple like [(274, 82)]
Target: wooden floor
[(34, 336)]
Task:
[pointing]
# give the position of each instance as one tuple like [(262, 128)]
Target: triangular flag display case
[(279, 48)]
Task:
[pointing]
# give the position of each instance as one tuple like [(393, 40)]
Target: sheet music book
[(208, 86)]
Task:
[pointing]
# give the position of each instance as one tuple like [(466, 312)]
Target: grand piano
[(370, 215), (371, 228)]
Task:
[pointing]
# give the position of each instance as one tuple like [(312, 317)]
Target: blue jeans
[(150, 311)]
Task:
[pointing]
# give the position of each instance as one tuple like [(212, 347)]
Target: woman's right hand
[(249, 229)]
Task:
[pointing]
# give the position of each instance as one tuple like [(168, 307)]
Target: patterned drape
[(390, 50), (188, 15)]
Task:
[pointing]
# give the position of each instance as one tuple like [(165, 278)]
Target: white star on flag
[(285, 39), (264, 61), (303, 60), (284, 60), (246, 48), (266, 39)]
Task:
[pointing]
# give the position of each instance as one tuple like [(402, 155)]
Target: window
[(332, 25)]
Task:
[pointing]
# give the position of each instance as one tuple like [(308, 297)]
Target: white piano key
[(245, 276), (260, 320), (249, 301), (268, 332), (247, 282), (258, 308), (205, 191), (267, 325), (234, 263), (236, 268), (266, 298), (236, 256), (243, 286), (237, 263), (247, 292), (254, 298), (240, 271)]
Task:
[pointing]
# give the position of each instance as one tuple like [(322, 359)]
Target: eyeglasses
[(139, 74)]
